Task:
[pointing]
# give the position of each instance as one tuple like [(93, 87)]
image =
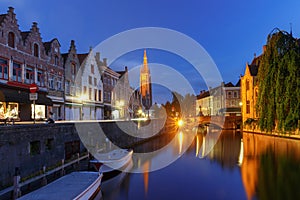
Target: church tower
[(145, 84)]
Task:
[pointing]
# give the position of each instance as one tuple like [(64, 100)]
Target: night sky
[(230, 31)]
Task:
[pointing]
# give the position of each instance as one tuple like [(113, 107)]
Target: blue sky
[(231, 31)]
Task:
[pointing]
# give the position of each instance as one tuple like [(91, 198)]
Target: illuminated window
[(73, 69), (11, 39)]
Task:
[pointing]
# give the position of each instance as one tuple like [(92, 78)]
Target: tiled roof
[(203, 95), (47, 46), (82, 57), (253, 70)]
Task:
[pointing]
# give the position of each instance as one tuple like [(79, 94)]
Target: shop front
[(15, 105)]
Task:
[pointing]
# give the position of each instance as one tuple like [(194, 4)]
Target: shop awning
[(21, 96)]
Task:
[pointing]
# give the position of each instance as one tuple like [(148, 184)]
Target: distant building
[(55, 75), (109, 79), (221, 100), (145, 84), (249, 90), (92, 87), (121, 96), (73, 102)]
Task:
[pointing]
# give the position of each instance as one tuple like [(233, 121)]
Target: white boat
[(114, 159), (76, 186)]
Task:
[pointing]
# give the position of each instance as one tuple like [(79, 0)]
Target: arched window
[(36, 50), (11, 39)]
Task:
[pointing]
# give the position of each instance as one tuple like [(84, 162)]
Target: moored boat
[(114, 159), (76, 186)]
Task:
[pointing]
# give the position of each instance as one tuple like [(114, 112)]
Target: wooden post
[(44, 181), (62, 167), (17, 178)]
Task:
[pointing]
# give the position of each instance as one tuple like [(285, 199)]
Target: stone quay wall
[(30, 147)]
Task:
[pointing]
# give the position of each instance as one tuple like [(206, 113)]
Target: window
[(49, 143), (92, 69), (95, 94), (235, 94), (11, 39), (73, 69), (36, 50), (3, 69), (228, 94), (29, 75), (67, 87), (40, 78), (248, 107), (95, 81), (90, 80), (35, 148), (58, 83), (17, 72), (51, 81), (247, 85), (90, 93), (56, 60), (84, 90), (99, 95)]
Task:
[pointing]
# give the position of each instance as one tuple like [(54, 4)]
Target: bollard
[(17, 178)]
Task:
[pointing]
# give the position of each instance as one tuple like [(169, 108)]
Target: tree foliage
[(278, 102)]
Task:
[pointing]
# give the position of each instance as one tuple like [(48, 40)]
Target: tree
[(278, 102)]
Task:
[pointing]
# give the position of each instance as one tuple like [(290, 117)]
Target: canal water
[(215, 165)]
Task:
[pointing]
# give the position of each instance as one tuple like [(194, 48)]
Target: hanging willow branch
[(278, 102)]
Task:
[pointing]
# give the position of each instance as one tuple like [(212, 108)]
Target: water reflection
[(271, 167), (187, 177)]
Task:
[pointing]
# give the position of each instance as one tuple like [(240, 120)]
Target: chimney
[(105, 62), (10, 9), (264, 48), (97, 56)]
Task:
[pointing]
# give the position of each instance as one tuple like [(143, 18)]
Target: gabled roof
[(82, 57), (24, 35), (203, 95), (2, 17), (238, 84), (229, 85), (47, 46), (253, 69)]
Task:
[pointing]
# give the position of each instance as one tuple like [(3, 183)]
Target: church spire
[(145, 83), (145, 63)]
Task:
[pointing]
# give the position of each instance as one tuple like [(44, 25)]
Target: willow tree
[(278, 102)]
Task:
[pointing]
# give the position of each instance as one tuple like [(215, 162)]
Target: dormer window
[(11, 39), (36, 50)]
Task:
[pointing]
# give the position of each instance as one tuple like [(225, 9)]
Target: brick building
[(23, 61)]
